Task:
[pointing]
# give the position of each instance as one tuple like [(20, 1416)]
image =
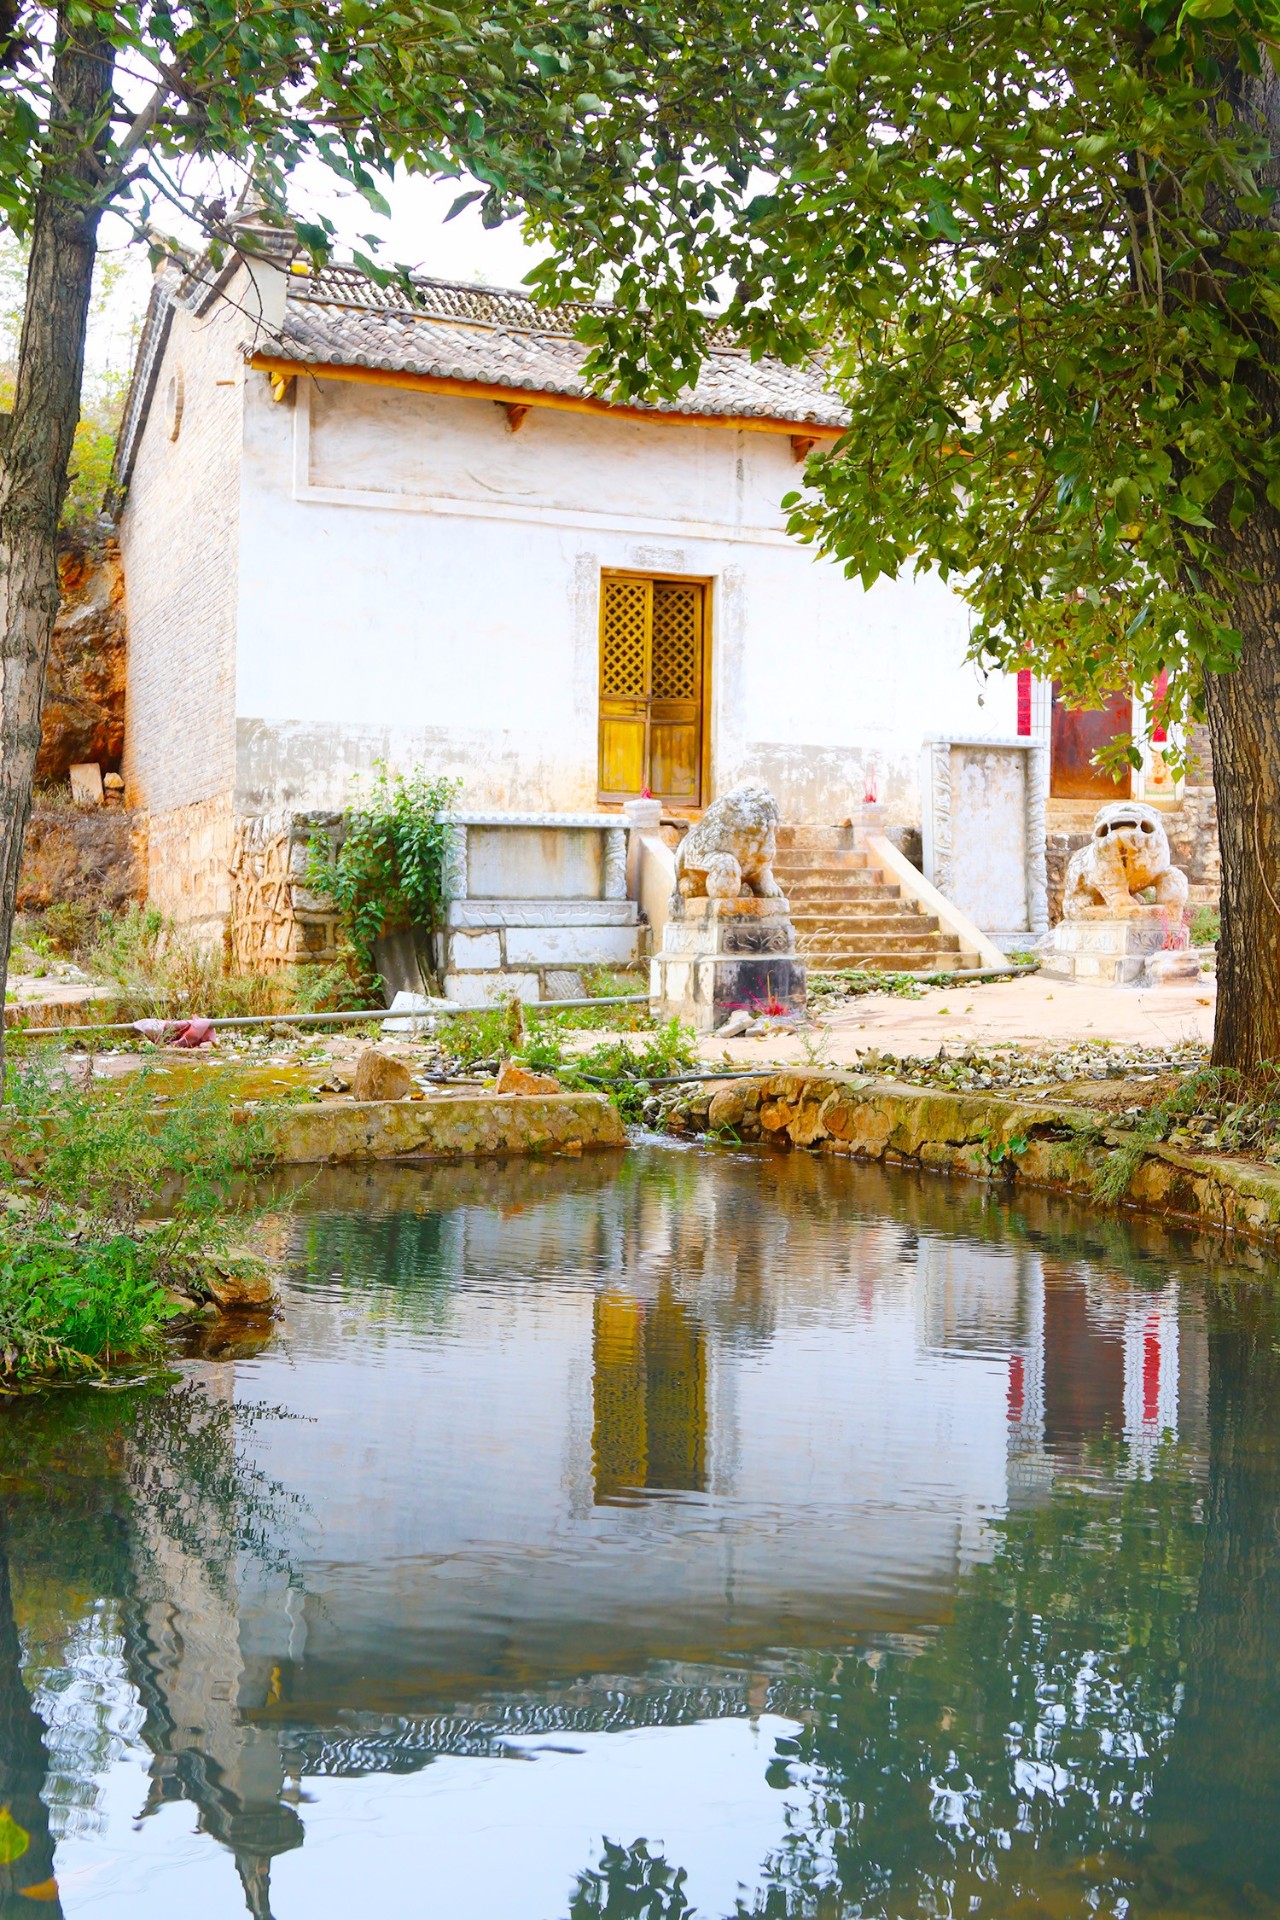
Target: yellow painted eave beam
[(279, 366)]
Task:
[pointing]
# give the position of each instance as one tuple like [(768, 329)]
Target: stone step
[(893, 960), (906, 923), (821, 860), (813, 837), (840, 886), (821, 948)]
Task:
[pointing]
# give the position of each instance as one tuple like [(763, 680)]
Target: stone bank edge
[(446, 1127), (992, 1136)]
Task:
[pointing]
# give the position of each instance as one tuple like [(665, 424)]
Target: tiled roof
[(338, 317)]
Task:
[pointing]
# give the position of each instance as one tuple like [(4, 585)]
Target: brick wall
[(179, 536)]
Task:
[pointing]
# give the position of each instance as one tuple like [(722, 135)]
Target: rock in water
[(379, 1077), (514, 1079)]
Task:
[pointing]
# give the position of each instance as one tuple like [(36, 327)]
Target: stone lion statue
[(731, 850), (1129, 852)]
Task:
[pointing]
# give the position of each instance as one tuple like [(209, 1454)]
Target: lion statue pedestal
[(729, 941), (1109, 934)]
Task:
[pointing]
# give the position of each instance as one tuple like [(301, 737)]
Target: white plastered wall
[(419, 583)]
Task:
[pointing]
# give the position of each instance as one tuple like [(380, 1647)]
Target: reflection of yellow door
[(650, 1397), (652, 675)]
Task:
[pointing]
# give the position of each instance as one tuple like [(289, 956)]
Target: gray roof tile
[(338, 317)]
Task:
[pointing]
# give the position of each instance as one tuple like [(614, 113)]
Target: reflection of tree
[(1019, 1750), (140, 1496), (26, 1846), (630, 1883), (1216, 1815)]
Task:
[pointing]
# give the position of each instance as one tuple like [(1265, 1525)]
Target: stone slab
[(488, 989), (570, 946), (535, 862), (542, 913), (745, 907), (474, 950), (450, 1126)]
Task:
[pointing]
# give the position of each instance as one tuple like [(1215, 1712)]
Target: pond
[(664, 1534)]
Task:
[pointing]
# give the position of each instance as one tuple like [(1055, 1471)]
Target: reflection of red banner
[(1151, 1372), (1017, 1387)]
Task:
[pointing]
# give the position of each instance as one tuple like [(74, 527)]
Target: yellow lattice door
[(651, 680)]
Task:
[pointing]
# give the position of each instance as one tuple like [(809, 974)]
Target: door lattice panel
[(652, 666), (675, 640), (624, 640)]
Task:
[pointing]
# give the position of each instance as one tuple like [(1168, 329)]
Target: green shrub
[(1206, 926), (112, 1202), (388, 869), (158, 972)]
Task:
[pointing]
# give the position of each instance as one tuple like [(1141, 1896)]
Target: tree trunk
[(1244, 725), (46, 408)]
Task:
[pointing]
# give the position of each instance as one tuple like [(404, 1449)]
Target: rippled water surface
[(663, 1535)]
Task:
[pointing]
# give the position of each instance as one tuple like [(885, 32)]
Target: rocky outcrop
[(93, 858), (83, 714)]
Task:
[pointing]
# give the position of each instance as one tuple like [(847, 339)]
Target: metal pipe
[(328, 1019)]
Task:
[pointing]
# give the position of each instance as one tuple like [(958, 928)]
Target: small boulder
[(1177, 969), (242, 1285), (380, 1077), (514, 1079)]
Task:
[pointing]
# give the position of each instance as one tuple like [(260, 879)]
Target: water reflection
[(682, 1535)]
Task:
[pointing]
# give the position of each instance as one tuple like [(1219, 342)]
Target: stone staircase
[(848, 913)]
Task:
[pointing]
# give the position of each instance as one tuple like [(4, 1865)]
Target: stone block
[(570, 946), (542, 913), (488, 989), (474, 950), (1111, 951), (535, 862)]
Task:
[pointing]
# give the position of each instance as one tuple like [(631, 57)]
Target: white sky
[(417, 234)]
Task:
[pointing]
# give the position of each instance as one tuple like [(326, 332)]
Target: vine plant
[(387, 870)]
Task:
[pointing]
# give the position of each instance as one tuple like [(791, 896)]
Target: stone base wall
[(90, 857), (189, 867)]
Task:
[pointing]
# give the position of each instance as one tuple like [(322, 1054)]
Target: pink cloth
[(180, 1033)]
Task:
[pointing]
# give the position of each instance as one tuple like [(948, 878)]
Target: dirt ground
[(1033, 1012)]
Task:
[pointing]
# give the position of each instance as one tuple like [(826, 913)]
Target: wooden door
[(1075, 736), (652, 676)]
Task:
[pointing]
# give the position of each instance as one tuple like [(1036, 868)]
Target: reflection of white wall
[(449, 1477)]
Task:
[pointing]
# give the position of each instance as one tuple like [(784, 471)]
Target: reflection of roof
[(338, 317)]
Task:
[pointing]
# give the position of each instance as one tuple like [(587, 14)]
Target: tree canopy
[(1038, 245)]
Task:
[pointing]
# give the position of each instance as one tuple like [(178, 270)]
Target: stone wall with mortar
[(189, 854), (275, 919)]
